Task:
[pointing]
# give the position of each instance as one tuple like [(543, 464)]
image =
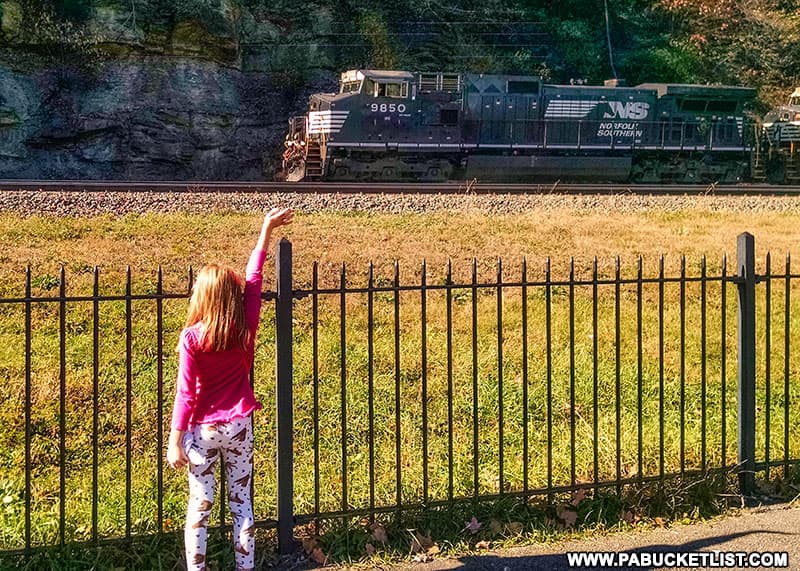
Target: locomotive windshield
[(392, 89), (386, 89), (351, 87)]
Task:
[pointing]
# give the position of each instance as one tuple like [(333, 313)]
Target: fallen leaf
[(419, 542), (433, 550), (309, 544), (318, 556), (496, 527), (482, 545), (569, 517), (578, 496), (473, 525), (631, 517), (370, 549), (379, 533), (514, 527), (416, 546), (659, 521)]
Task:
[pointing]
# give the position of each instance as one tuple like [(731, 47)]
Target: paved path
[(774, 528)]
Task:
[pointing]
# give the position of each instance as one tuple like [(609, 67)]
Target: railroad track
[(455, 187)]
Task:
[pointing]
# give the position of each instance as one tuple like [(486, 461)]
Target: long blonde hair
[(218, 302)]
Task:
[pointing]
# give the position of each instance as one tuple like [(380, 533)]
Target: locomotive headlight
[(797, 116)]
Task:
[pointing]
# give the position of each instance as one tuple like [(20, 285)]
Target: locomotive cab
[(781, 138), (783, 123), (381, 125), (788, 114), (337, 122)]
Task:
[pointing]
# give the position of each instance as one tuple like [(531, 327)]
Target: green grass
[(118, 238)]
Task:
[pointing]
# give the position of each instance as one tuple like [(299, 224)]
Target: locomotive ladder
[(758, 167), (792, 168), (313, 161), (758, 171)]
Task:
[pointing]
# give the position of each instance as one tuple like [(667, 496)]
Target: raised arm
[(252, 288), (274, 218)]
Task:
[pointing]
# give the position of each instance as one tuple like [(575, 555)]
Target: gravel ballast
[(31, 203)]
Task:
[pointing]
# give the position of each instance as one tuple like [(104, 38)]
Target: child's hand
[(277, 217), (273, 219), (176, 456)]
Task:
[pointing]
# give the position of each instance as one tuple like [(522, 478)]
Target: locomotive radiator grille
[(320, 122)]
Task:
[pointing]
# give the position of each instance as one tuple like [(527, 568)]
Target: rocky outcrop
[(153, 119), (188, 99)]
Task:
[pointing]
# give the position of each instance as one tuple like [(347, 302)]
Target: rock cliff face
[(191, 101), (149, 119)]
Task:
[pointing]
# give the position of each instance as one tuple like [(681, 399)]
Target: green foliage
[(651, 40), (45, 282), (382, 53), (73, 10), (667, 64), (582, 50)]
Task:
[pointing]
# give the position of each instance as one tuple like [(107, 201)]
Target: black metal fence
[(394, 394)]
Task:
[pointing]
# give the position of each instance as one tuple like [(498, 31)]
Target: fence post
[(745, 262), (284, 398)]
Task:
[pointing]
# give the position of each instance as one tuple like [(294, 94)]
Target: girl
[(211, 417)]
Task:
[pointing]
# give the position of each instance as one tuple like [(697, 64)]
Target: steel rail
[(452, 187)]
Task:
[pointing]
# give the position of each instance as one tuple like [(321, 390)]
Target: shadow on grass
[(635, 560)]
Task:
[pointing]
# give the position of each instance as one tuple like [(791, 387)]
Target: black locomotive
[(401, 126)]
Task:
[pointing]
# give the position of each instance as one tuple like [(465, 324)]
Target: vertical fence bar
[(449, 293), (28, 391), (397, 437), (723, 350), (128, 400), (745, 262), (548, 333), (62, 416), (343, 379), (703, 366), (371, 385), (617, 374), (315, 367), (95, 395), (572, 476), (682, 397), (424, 349), (786, 369), (500, 411), (661, 368), (767, 361), (595, 385), (160, 397), (284, 397), (525, 377), (639, 373), (475, 481)]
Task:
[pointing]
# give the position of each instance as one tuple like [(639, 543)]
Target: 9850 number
[(387, 108)]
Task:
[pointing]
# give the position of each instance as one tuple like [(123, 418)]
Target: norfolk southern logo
[(629, 110), (577, 108)]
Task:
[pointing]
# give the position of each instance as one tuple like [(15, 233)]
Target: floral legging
[(204, 444)]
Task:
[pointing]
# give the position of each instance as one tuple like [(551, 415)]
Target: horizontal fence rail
[(402, 390)]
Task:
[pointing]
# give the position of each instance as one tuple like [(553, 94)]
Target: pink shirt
[(214, 386)]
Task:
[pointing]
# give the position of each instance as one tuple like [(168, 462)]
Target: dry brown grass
[(176, 241)]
